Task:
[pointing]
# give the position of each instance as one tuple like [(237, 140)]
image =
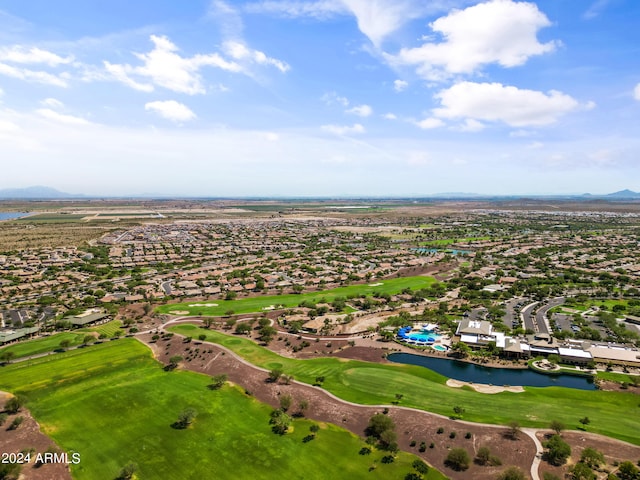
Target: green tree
[(458, 459), (186, 418), (627, 471), (557, 426), (275, 374), (420, 467), (581, 471), (285, 402), (218, 381), (513, 431), (127, 472), (267, 333), (13, 405), (279, 422), (512, 473), (592, 457), (88, 339), (64, 344), (243, 328), (557, 450), (483, 456)]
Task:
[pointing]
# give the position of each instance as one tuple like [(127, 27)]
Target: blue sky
[(320, 97)]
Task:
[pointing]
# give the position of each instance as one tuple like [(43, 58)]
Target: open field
[(42, 345), (51, 218), (114, 404), (51, 343), (369, 383), (259, 304)]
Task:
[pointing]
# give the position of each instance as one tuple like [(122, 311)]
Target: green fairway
[(42, 345), (613, 414), (114, 404), (449, 241), (108, 329), (261, 304)]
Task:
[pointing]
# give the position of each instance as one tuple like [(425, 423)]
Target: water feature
[(469, 372), (12, 215)]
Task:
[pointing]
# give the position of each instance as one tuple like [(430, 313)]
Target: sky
[(320, 97)]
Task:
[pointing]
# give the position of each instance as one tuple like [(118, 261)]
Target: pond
[(469, 372), (12, 215)]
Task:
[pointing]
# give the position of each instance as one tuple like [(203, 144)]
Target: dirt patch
[(28, 438), (614, 451)]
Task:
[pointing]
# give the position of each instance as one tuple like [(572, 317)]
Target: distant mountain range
[(35, 193), (47, 193)]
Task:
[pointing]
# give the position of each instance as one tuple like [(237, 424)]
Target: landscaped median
[(372, 383), (113, 404), (269, 302)]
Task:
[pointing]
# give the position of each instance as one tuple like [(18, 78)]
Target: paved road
[(542, 320), (527, 318)]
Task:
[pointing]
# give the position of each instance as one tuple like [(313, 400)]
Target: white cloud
[(535, 145), (400, 85), (361, 110), (499, 103), (596, 9), (319, 9), (636, 92), (379, 18), (498, 31), (471, 125), (22, 55), (52, 103), (376, 19), (239, 51), (121, 74), (34, 75), (61, 118), (344, 129), (429, 123), (164, 67), (171, 110), (331, 98), (390, 116)]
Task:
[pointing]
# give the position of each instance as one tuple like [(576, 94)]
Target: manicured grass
[(42, 345), (613, 414), (258, 304), (108, 328), (449, 241), (617, 377), (114, 404)]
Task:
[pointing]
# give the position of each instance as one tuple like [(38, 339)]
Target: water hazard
[(469, 372)]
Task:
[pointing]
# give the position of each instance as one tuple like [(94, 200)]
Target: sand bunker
[(376, 284), (270, 307), (482, 388), (203, 305), (180, 312)]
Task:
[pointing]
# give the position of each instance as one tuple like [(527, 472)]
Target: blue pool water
[(418, 335), (469, 372)]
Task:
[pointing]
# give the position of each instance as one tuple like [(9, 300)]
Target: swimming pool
[(439, 348), (418, 335)]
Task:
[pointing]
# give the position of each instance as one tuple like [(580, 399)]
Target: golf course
[(270, 302), (114, 405), (362, 382)]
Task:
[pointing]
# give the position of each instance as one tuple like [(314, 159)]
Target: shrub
[(457, 459)]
